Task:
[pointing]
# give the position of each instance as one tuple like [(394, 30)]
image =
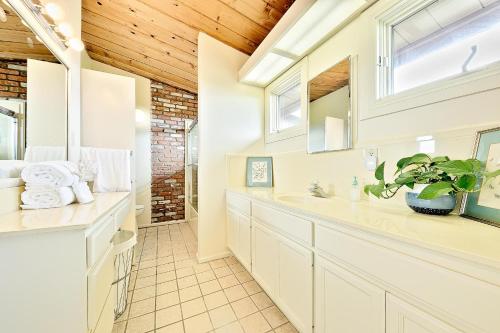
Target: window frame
[(296, 74), (463, 84)]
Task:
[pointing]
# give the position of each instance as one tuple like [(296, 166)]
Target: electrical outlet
[(371, 157)]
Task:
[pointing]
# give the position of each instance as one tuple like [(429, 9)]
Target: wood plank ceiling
[(157, 39)]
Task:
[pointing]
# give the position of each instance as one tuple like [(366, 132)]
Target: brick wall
[(13, 79), (170, 108)]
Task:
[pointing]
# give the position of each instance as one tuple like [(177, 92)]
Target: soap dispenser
[(355, 190)]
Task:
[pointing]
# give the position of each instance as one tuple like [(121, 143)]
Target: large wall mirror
[(33, 97), (330, 111)]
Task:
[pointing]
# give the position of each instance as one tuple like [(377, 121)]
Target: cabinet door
[(244, 244), (405, 318), (346, 302), (232, 230), (265, 255), (295, 284)]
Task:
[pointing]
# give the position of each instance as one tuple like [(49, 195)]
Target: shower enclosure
[(11, 132), (191, 180)]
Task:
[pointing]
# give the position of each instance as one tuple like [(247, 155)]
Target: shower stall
[(191, 174), (12, 135)]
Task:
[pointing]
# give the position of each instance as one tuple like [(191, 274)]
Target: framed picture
[(260, 172), (484, 205)]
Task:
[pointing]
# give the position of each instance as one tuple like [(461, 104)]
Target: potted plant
[(433, 182)]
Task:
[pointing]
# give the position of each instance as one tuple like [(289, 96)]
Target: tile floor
[(171, 293)]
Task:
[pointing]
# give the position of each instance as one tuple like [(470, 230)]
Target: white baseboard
[(213, 257)]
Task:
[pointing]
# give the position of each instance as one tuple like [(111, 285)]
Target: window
[(286, 105), (426, 41)]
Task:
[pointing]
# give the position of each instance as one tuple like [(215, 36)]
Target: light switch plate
[(371, 157)]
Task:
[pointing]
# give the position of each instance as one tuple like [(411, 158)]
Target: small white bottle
[(355, 190)]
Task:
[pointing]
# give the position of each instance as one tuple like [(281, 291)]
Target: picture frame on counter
[(259, 172), (484, 205)]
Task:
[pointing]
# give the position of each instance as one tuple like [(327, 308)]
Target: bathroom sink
[(301, 199)]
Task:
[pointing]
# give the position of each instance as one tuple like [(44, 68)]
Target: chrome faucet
[(317, 190)]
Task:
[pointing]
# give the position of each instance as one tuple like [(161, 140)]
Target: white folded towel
[(38, 197), (111, 168), (55, 174), (82, 192), (11, 168), (35, 154)]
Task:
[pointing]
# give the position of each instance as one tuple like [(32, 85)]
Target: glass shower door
[(8, 137), (192, 165)]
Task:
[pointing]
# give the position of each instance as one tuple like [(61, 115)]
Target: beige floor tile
[(184, 272), (261, 300), (235, 293), (287, 328), (274, 316), (236, 268), (143, 293), (165, 268), (202, 268), (119, 327), (187, 281), (222, 316), (167, 300), (168, 316), (145, 282), (231, 260), (141, 324), (185, 263), (255, 323), (193, 307), (140, 308), (217, 263), (174, 328), (243, 276), (228, 281), (252, 287), (215, 300), (234, 327), (165, 277), (244, 307), (222, 271), (147, 263), (198, 324), (146, 272), (166, 287), (190, 293), (205, 276), (210, 287)]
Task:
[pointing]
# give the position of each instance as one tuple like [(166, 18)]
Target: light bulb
[(65, 29), (53, 10), (76, 44)]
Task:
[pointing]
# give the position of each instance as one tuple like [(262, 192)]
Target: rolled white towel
[(56, 174), (82, 192), (47, 197)]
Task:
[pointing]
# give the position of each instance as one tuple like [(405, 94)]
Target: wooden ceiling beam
[(132, 69), (96, 35)]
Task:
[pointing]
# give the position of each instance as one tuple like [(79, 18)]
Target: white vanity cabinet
[(402, 317), (345, 302), (239, 229)]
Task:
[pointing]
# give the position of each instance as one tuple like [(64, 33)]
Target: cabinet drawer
[(99, 239), (106, 320), (457, 298), (298, 229), (99, 281), (239, 203), (122, 212)]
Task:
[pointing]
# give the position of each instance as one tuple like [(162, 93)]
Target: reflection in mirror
[(330, 126), (33, 104)]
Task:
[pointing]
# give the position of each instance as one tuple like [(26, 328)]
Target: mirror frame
[(350, 116)]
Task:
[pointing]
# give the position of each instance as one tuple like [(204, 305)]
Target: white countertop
[(452, 234), (75, 216)]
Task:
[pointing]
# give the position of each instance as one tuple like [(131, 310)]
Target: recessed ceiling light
[(65, 29), (30, 43), (54, 11), (76, 44)]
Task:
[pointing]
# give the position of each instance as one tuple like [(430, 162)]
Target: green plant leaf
[(440, 159), (376, 190), (476, 164), (435, 190), (379, 172), (490, 175), (419, 159), (456, 167), (466, 182), (402, 163)]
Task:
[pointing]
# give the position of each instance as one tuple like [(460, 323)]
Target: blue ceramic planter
[(442, 205)]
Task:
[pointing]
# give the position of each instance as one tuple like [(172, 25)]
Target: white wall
[(452, 123), (142, 134), (231, 119), (46, 116)]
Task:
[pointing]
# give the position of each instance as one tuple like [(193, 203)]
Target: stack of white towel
[(53, 184)]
